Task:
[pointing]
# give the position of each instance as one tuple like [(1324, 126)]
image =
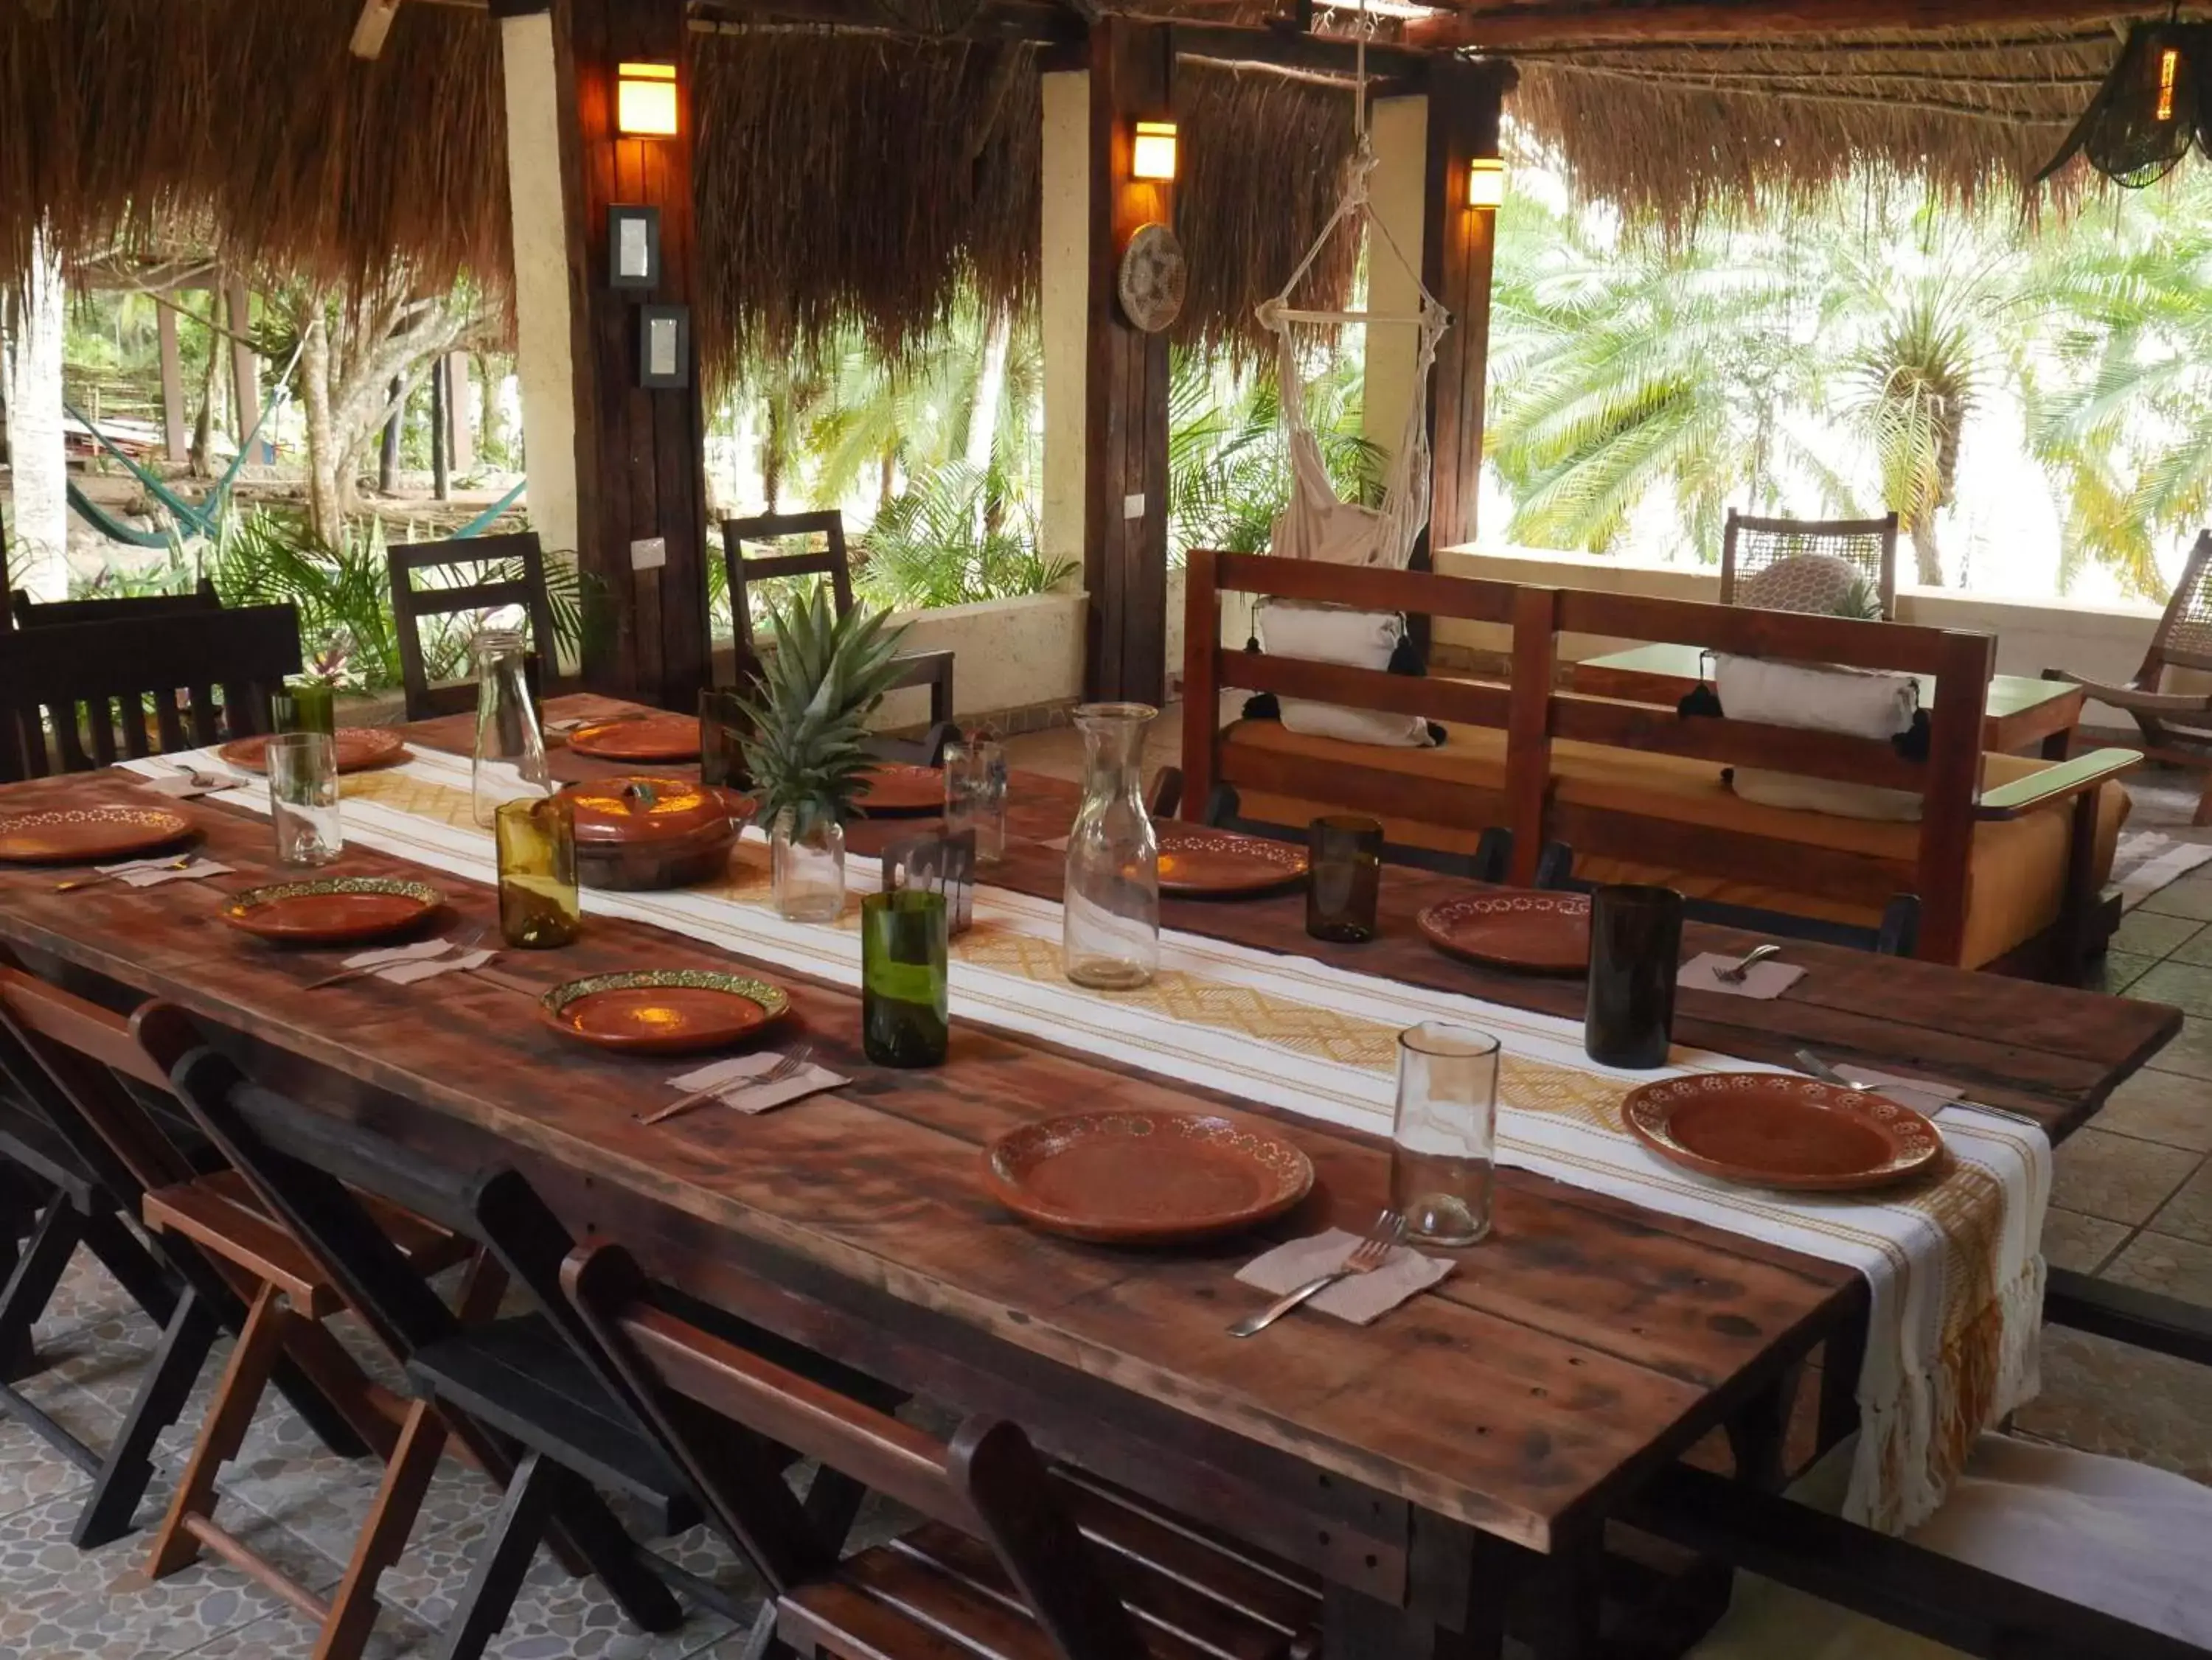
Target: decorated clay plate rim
[(386, 748), (1286, 861), (253, 899), (174, 826), (772, 999), (1447, 912), (1046, 1136), (1644, 1110), (663, 753)]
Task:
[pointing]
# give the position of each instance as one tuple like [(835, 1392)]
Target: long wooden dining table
[(1461, 1455)]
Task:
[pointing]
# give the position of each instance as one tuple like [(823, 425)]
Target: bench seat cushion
[(2018, 873)]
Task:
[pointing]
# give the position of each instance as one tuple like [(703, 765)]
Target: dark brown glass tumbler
[(1636, 946), (1344, 857)]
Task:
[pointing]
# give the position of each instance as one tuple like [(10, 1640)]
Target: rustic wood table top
[(1586, 1345)]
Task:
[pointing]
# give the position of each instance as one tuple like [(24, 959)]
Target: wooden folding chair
[(74, 1064), (519, 550), (930, 669), (94, 684), (1015, 1557), (312, 1172), (1750, 545), (28, 613)]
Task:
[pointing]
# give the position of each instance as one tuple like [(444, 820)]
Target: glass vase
[(509, 762), (1110, 912), (808, 868)]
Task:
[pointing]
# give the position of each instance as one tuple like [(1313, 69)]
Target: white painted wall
[(544, 351), (1064, 301), (1398, 128), (1008, 653), (38, 547)]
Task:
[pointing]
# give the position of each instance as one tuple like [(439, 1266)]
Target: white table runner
[(1955, 1267)]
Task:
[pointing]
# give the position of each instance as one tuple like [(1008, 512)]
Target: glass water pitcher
[(510, 752), (1110, 937)]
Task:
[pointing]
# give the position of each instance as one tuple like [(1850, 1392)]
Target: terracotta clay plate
[(1146, 1177), (1197, 863), (333, 910), (1769, 1130), (650, 738), (1535, 933), (89, 835), (896, 789), (359, 748), (664, 1011)]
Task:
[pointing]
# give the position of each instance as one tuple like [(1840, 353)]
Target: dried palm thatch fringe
[(859, 180), (124, 122), (1263, 160), (1674, 131)]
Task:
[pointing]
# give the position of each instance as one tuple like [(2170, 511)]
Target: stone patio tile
[(2163, 1262), (2185, 985), (2115, 970), (2190, 897), (2189, 1052), (2160, 1106), (2188, 1213), (2145, 933), (2082, 1243), (2103, 1396), (2118, 1179)]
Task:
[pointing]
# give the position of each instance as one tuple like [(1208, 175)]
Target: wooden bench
[(1636, 789)]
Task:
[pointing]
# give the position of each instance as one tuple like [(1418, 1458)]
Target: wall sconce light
[(645, 100), (1153, 154), (633, 246), (1486, 182)]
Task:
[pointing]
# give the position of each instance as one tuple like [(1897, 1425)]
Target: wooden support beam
[(176, 438), (1125, 552), (374, 23), (1494, 28), (244, 365), (1457, 244)]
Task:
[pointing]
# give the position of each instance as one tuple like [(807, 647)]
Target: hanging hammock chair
[(1313, 524)]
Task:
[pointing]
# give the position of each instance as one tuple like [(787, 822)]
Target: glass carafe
[(1110, 938), (510, 752)]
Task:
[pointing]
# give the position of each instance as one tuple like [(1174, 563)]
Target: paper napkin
[(809, 1080), (1362, 1298), (1763, 979)]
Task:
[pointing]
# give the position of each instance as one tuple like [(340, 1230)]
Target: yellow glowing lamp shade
[(1486, 182), (645, 100), (1153, 154)]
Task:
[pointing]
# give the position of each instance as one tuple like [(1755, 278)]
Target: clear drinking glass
[(976, 793), (510, 750), (303, 796), (1443, 1142), (1110, 913), (807, 869), (539, 906)]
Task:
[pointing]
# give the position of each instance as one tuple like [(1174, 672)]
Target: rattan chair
[(2177, 726), (1868, 544)]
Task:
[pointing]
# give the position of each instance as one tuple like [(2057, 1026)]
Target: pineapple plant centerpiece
[(817, 687)]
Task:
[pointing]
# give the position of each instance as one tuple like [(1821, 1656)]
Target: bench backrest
[(1533, 713)]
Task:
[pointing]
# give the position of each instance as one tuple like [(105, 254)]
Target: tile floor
[(2133, 1202)]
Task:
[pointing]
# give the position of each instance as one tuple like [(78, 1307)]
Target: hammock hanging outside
[(1314, 524)]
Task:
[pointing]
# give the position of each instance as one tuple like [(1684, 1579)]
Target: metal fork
[(1370, 1254), (785, 1068), (1826, 1074), (465, 942), (1734, 972)]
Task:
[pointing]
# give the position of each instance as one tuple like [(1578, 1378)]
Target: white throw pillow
[(1314, 632), (1862, 703)]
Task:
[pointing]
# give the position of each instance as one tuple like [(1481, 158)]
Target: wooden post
[(1456, 246), (639, 473), (245, 366), (1125, 554), (441, 484), (175, 438)]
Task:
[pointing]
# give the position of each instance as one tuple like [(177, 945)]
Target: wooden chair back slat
[(75, 674), (168, 723), (989, 1483), (28, 613), (1750, 545), (411, 604)]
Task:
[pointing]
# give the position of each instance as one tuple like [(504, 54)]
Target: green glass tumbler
[(307, 704), (904, 1004), (539, 906)]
